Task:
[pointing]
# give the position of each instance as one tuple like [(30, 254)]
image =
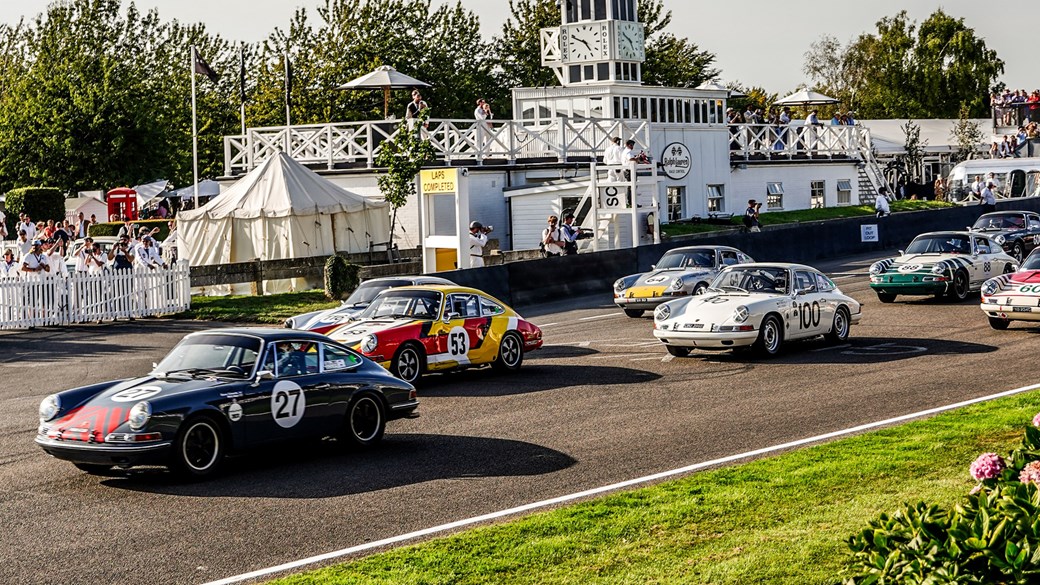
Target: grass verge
[(782, 217), (783, 520), (270, 309)]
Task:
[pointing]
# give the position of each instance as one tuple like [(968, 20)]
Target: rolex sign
[(676, 161)]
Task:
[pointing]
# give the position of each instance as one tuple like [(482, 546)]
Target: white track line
[(600, 316), (607, 488)]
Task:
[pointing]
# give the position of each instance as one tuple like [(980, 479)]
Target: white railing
[(750, 141), (454, 141), (37, 301)]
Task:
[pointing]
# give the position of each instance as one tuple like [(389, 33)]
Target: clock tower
[(600, 41)]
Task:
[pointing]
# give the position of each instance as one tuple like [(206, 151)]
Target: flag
[(288, 82), (203, 68)]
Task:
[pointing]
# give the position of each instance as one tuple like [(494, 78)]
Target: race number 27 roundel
[(287, 403)]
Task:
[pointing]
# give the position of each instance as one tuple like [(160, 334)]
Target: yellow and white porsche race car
[(758, 306)]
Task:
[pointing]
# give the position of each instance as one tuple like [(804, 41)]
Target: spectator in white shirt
[(27, 225), (146, 255), (612, 158), (85, 258), (23, 243), (881, 205), (56, 260), (9, 267), (35, 262)]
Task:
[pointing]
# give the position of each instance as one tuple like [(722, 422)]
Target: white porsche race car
[(1015, 296), (757, 305)]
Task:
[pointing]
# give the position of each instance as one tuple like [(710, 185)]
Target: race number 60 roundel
[(287, 404)]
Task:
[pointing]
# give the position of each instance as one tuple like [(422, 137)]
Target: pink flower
[(1030, 473), (1036, 420), (987, 466)]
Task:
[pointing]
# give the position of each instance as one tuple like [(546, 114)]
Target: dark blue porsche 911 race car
[(223, 391)]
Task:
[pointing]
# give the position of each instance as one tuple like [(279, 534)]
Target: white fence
[(38, 301)]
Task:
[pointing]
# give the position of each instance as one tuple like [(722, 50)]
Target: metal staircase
[(871, 176)]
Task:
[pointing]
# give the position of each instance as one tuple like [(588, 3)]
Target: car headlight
[(876, 268), (49, 407), (369, 343), (139, 415), (663, 312), (938, 269), (999, 239), (990, 287), (619, 285), (677, 284), (740, 314)]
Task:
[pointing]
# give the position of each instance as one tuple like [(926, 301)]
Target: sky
[(758, 43)]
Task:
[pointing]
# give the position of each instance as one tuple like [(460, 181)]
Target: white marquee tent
[(280, 210)]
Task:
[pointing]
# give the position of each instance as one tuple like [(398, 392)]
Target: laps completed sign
[(439, 181)]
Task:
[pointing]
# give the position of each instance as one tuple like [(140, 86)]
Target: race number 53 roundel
[(287, 404), (458, 342)]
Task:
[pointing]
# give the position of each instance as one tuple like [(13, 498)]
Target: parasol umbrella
[(387, 78), (806, 97)]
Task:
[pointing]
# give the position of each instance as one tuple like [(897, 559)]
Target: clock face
[(630, 41), (584, 42)]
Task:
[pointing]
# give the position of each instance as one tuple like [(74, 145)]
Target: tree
[(403, 156), (518, 49), (906, 70), (967, 135), (914, 148)]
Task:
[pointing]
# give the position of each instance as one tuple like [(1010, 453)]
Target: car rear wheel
[(365, 422), (998, 323), (1018, 252), (959, 287), (634, 313), (510, 353), (770, 337), (94, 469), (677, 351), (886, 297), (408, 364), (198, 450), (840, 328)]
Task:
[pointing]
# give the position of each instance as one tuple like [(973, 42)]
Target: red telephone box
[(122, 201)]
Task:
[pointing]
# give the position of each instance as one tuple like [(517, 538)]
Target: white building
[(541, 163)]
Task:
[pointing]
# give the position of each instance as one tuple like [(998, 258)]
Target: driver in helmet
[(477, 240)]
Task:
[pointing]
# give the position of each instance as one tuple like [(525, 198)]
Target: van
[(1016, 177)]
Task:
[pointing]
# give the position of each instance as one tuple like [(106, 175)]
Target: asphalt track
[(600, 404)]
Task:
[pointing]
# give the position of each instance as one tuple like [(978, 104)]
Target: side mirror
[(902, 253), (263, 375), (653, 267), (154, 365)]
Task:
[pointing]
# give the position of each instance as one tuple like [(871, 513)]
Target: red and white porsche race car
[(1015, 296)]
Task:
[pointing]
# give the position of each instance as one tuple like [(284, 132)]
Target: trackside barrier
[(38, 301)]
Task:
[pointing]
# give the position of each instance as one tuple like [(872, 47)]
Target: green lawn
[(784, 519), (782, 217), (270, 309)]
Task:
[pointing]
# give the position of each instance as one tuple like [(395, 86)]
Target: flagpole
[(288, 119), (194, 130), (242, 83)]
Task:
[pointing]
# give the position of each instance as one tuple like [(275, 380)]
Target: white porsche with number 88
[(758, 306)]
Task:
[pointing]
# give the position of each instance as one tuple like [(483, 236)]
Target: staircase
[(871, 176)]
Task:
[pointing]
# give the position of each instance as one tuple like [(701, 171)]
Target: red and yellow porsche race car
[(418, 329)]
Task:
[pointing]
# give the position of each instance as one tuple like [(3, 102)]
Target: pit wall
[(548, 279)]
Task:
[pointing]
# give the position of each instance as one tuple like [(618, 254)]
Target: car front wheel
[(510, 353), (677, 351), (634, 313), (365, 422), (199, 449), (770, 337), (1018, 252), (959, 286), (408, 364), (998, 323)]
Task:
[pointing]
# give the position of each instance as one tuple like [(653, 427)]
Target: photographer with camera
[(120, 256), (751, 223), (477, 240), (570, 233)]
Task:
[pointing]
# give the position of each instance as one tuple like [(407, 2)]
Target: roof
[(702, 247), (788, 265), (936, 135), (268, 334)]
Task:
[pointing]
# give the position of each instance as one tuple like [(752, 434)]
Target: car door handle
[(321, 387)]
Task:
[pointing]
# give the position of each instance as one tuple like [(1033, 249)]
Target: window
[(465, 306), (716, 198), (817, 194), (729, 258), (982, 246), (774, 195), (296, 358), (675, 203), (337, 358), (489, 308), (804, 281), (823, 284), (845, 192)]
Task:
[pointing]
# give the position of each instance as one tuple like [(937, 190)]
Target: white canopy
[(207, 188), (280, 210), (806, 97)]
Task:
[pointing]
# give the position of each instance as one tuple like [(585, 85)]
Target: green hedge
[(341, 277), (41, 203), (112, 228)]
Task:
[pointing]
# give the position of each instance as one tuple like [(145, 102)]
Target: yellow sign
[(439, 181)]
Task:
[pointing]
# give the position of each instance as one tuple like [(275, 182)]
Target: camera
[(488, 229)]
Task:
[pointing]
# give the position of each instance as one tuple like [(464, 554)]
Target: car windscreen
[(755, 279), (415, 304), (364, 294), (940, 244), (1032, 261), (689, 259), (232, 354), (1000, 221)]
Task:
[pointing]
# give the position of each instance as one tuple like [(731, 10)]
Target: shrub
[(341, 277), (41, 203), (112, 228), (991, 536)]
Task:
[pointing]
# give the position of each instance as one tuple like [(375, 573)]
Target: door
[(468, 330), (811, 318), (984, 262), (296, 402)]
